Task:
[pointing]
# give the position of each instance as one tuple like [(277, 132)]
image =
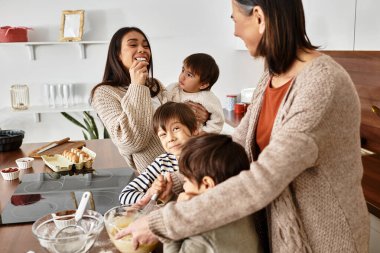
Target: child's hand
[(201, 114), (158, 186), (142, 202), (185, 196), (161, 186), (167, 193)]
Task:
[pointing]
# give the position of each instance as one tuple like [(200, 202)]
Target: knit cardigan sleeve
[(128, 119), (240, 133), (291, 151)]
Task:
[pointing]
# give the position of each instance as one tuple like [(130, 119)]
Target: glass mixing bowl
[(120, 217), (46, 230)]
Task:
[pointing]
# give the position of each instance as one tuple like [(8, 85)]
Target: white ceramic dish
[(25, 162), (10, 175)]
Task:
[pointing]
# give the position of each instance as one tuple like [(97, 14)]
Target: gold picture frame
[(72, 25)]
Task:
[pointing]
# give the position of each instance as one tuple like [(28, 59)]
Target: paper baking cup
[(10, 175), (25, 162)]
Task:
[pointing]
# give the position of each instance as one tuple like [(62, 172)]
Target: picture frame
[(72, 22)]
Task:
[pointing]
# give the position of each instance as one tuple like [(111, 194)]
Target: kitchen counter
[(19, 237), (371, 175)]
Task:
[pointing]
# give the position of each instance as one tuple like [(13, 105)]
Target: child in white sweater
[(198, 75), (174, 123)]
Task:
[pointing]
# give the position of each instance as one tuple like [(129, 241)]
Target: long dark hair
[(115, 74), (284, 34)]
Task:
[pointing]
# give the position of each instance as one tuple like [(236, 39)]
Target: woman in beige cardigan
[(127, 97), (307, 179)]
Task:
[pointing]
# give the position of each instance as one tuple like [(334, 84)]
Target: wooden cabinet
[(367, 29), (330, 23)]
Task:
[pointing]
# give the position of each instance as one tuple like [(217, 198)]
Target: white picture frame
[(72, 25)]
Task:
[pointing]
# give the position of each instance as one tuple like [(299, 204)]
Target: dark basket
[(10, 139)]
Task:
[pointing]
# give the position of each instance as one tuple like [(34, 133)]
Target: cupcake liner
[(10, 175), (25, 162)]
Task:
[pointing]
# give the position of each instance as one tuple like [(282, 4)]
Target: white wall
[(176, 28)]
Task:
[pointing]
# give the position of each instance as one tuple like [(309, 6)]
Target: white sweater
[(205, 98)]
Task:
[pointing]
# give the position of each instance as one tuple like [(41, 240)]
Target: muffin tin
[(58, 162), (10, 139)]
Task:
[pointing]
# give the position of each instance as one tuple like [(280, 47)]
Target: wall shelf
[(38, 109), (30, 46)]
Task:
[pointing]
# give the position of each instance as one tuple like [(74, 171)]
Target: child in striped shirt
[(174, 123)]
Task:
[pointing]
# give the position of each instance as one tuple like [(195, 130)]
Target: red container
[(240, 108), (14, 34)]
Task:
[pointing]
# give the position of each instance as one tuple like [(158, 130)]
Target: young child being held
[(174, 123), (199, 73), (207, 161)]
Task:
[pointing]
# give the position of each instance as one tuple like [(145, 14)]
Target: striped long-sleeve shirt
[(137, 188)]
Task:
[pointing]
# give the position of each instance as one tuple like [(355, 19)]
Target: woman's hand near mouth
[(139, 72)]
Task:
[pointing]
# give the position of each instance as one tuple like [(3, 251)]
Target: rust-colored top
[(271, 102)]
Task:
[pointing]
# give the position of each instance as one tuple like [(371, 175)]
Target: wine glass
[(66, 95), (47, 93), (71, 93), (53, 94), (60, 94)]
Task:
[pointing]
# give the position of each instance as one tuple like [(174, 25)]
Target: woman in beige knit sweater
[(127, 97), (305, 172)]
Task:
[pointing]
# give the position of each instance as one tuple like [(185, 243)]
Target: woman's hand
[(201, 114), (140, 232), (139, 72)]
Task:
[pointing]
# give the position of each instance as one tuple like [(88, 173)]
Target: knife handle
[(62, 141), (34, 152)]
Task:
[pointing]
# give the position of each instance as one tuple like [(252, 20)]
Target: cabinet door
[(330, 23), (367, 34)]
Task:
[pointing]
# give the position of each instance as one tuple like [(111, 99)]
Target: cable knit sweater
[(128, 114), (308, 177), (237, 237), (206, 98)]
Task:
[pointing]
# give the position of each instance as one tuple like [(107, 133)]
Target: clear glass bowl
[(120, 217), (45, 230)]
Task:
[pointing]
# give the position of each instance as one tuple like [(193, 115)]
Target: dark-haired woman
[(302, 137), (127, 97)]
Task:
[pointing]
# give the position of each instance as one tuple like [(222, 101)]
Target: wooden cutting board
[(58, 149)]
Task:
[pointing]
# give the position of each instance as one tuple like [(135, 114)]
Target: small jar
[(231, 101), (240, 108), (20, 96)]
